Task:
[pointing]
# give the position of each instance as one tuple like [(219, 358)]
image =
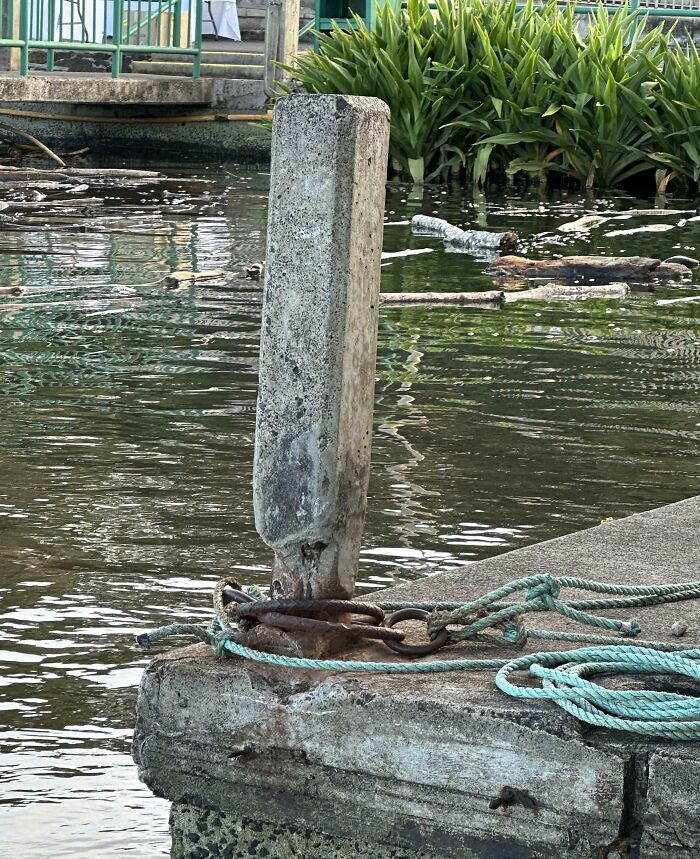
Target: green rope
[(562, 674)]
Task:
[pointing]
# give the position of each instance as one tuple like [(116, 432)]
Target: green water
[(126, 434)]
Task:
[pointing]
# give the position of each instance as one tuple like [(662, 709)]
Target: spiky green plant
[(673, 116), (494, 88), (406, 61)]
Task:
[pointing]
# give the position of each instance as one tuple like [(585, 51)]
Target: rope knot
[(547, 589), (515, 632), (438, 621)]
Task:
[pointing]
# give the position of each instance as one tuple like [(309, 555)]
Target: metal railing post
[(272, 40), (24, 37), (51, 32), (197, 42), (117, 37), (177, 24)]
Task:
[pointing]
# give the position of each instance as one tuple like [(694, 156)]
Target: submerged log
[(496, 298), (568, 292), (594, 269), (492, 298), (589, 222), (29, 173), (31, 205), (187, 278), (647, 228), (583, 224), (689, 299), (467, 240)]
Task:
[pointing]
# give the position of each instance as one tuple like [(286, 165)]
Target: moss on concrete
[(199, 833)]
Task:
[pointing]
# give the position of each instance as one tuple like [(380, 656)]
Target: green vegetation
[(484, 87)]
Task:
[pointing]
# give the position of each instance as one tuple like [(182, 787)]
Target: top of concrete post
[(318, 340)]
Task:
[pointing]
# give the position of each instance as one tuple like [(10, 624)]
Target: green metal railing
[(340, 11), (118, 27)]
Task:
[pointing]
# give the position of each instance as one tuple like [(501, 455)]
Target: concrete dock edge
[(326, 762)]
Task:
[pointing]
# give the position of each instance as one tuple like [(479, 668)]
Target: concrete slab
[(90, 88), (411, 767)]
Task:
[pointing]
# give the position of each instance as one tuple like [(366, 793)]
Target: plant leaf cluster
[(493, 87)]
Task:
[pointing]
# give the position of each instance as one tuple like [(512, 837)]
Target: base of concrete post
[(201, 833), (409, 767)]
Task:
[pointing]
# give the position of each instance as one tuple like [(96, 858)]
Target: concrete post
[(319, 338), (289, 42)]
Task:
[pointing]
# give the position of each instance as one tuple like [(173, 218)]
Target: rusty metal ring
[(414, 649), (324, 627), (320, 609)]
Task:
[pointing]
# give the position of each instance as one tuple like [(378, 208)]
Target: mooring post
[(318, 341)]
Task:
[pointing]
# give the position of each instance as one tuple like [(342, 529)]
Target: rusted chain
[(414, 649), (355, 629), (308, 615), (321, 609)]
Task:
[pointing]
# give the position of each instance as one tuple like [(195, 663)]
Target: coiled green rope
[(563, 674)]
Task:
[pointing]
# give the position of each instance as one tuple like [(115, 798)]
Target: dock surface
[(346, 765)]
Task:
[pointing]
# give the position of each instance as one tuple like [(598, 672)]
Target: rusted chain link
[(304, 615)]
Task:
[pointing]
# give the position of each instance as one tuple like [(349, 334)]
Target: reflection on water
[(126, 448)]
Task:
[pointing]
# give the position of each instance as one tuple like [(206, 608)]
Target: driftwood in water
[(187, 278), (647, 228), (31, 205), (467, 240), (594, 269), (496, 298), (493, 298), (567, 292), (688, 262), (586, 223), (26, 174), (689, 299), (583, 224), (34, 141)]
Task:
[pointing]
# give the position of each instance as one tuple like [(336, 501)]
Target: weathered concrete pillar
[(318, 341), (289, 41)]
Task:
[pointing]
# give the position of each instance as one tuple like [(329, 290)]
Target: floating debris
[(497, 298), (254, 271), (408, 252), (187, 278), (464, 240), (584, 224), (647, 228), (593, 269)]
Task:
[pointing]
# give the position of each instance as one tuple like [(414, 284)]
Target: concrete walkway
[(93, 88), (265, 762)]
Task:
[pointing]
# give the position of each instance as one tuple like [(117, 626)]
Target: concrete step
[(226, 58), (209, 70), (231, 58)]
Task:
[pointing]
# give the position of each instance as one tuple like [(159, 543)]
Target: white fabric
[(225, 16)]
